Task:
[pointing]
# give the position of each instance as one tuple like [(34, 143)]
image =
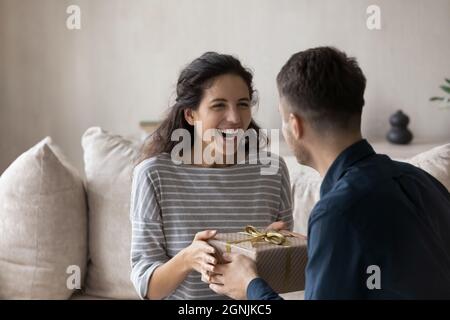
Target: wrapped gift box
[(282, 266)]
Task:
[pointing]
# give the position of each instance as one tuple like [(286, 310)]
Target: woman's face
[(225, 108)]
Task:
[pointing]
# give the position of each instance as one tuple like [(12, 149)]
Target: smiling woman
[(177, 207), (225, 107), (214, 89)]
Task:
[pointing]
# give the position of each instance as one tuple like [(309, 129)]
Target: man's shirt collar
[(354, 153)]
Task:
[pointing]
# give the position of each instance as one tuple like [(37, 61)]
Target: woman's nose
[(233, 115)]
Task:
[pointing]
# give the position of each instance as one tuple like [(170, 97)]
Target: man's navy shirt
[(375, 213)]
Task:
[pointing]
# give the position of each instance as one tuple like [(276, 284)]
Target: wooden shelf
[(395, 151), (398, 151), (149, 126)]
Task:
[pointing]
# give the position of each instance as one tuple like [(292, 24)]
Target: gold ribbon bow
[(270, 236), (273, 237)]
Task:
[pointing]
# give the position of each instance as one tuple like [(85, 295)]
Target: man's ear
[(189, 116), (296, 124)]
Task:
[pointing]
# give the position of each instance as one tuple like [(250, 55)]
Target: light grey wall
[(122, 65)]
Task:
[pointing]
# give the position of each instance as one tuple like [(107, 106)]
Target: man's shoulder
[(383, 166), (361, 187), (375, 174), (370, 187)]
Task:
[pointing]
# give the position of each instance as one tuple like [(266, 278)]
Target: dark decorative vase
[(399, 133)]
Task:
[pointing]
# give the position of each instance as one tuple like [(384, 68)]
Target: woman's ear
[(189, 116)]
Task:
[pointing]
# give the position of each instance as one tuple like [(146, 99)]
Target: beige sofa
[(54, 223)]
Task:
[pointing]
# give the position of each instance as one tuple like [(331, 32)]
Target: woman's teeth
[(228, 132)]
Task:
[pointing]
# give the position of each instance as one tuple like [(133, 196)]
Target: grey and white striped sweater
[(171, 202)]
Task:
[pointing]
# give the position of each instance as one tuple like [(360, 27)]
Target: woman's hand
[(277, 226), (282, 227), (199, 254)]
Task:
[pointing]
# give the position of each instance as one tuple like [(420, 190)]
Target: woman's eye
[(218, 106), (244, 105)]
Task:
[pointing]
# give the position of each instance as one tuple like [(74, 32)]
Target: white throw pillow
[(108, 166), (306, 182), (43, 226), (305, 194), (436, 162)]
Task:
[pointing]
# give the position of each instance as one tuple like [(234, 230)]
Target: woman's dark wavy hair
[(193, 80)]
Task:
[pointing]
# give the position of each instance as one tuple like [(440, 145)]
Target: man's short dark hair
[(325, 86)]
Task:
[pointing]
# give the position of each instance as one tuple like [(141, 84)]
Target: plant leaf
[(448, 81), (436, 99), (445, 88)]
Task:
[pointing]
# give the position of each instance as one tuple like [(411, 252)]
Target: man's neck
[(323, 157)]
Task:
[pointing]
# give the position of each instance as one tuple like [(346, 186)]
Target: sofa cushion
[(306, 182), (108, 166), (43, 225), (436, 162)]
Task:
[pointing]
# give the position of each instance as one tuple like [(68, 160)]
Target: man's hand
[(232, 278)]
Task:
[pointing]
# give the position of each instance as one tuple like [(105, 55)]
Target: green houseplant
[(445, 100)]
